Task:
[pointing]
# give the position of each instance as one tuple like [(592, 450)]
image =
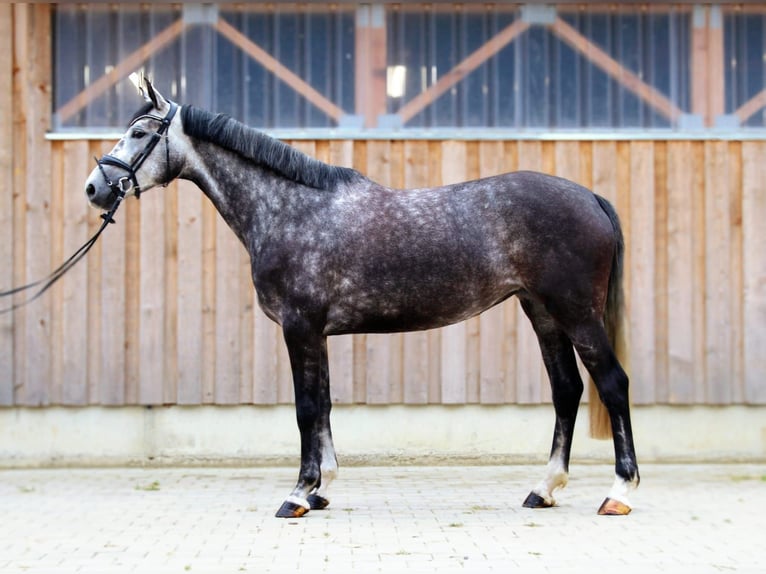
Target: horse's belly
[(401, 311)]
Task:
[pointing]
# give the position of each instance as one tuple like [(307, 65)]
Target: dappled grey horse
[(333, 252)]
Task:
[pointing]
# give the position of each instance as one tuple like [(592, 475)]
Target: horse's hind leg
[(567, 388), (591, 342)]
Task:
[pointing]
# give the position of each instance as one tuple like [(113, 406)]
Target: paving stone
[(687, 518)]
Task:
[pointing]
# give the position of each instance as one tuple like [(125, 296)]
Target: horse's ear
[(152, 95)]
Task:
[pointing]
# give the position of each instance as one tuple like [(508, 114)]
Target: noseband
[(127, 182)]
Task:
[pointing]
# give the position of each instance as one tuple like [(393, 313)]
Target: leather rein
[(120, 189)]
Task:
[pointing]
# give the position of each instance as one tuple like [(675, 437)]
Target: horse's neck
[(246, 195)]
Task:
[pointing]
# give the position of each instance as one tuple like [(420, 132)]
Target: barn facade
[(153, 347)]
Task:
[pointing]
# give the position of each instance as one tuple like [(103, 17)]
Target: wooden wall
[(162, 311)]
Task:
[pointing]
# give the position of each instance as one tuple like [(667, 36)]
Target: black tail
[(600, 425), (614, 301)]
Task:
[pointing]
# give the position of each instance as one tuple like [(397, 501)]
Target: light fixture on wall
[(396, 77)]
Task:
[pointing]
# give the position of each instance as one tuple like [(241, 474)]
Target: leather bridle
[(130, 181)]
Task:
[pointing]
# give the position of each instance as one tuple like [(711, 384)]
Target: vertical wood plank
[(661, 386), (247, 305), (754, 267), (108, 388), (97, 149), (18, 242), (152, 293), (266, 341), (209, 234), (698, 162), (227, 307), (56, 382), (622, 163), (170, 310), (74, 285), (718, 348), (112, 330), (736, 275), (188, 295), (131, 219), (680, 274), (642, 282), (7, 190)]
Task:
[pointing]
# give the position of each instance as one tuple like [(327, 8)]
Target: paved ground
[(694, 519)]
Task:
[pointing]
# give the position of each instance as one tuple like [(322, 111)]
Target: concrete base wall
[(252, 435)]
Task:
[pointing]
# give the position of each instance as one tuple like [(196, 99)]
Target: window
[(419, 68), (548, 69), (745, 67)]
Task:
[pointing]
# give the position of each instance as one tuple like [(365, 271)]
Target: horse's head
[(144, 157)]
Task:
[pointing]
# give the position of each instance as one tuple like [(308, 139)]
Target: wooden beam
[(751, 107), (612, 67), (121, 70), (707, 55), (468, 65), (370, 63), (716, 104), (278, 69)]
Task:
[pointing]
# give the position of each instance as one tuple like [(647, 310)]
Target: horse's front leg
[(308, 358)]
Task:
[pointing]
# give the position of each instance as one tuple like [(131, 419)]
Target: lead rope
[(56, 274)]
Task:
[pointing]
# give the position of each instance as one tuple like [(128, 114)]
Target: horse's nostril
[(90, 190)]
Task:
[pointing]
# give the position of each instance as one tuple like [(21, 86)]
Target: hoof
[(291, 510), (612, 507), (317, 502), (536, 501)]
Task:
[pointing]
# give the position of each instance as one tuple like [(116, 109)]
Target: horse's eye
[(137, 134)]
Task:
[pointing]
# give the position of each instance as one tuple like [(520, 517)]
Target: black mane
[(262, 149)]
